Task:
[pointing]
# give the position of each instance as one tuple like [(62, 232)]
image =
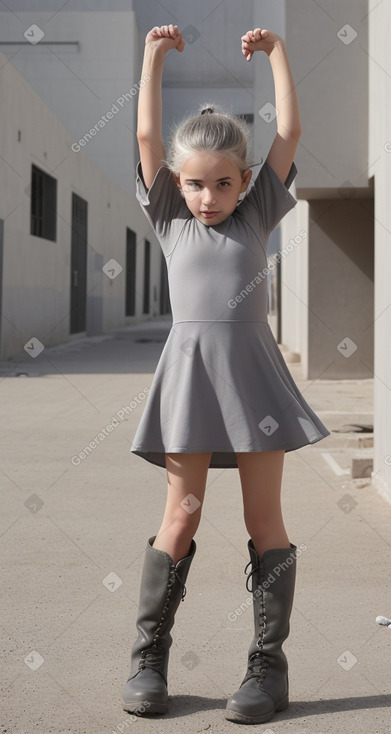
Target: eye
[(191, 186), (225, 184)]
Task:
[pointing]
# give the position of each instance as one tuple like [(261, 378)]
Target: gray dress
[(221, 384)]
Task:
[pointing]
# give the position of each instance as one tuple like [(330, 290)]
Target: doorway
[(78, 265)]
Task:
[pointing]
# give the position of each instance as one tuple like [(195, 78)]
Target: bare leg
[(186, 474), (260, 477)]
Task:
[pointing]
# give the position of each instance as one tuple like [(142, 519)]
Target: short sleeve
[(268, 200), (162, 204)]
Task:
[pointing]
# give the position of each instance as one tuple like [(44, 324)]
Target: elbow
[(142, 136), (297, 129), (149, 138), (295, 132), (289, 132)]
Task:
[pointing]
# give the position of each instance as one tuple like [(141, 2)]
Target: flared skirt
[(223, 387)]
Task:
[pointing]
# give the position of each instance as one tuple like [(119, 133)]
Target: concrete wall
[(82, 68), (328, 288), (330, 67), (212, 58), (270, 16), (340, 289), (379, 63), (294, 281), (36, 271)]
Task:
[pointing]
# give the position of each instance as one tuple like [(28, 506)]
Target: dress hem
[(151, 454)]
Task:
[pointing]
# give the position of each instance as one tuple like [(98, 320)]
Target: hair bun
[(208, 110)]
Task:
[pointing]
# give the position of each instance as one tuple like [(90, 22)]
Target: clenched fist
[(166, 37), (258, 40)]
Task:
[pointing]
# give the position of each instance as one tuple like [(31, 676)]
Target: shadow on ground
[(188, 705)]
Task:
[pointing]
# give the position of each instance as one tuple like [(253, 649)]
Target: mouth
[(209, 214)]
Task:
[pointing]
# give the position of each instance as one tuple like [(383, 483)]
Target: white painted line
[(337, 469), (346, 412)]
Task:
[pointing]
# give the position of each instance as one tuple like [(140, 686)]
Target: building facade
[(335, 291), (77, 255)]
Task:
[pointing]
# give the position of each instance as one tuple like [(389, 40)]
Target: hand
[(165, 37), (259, 40)]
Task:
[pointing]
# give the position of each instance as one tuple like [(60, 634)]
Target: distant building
[(335, 293), (77, 254)]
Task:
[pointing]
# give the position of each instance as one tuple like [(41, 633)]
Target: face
[(211, 184)]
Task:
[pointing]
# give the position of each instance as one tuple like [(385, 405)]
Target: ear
[(246, 178)]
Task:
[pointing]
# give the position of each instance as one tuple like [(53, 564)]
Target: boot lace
[(250, 575), (257, 666), (257, 662), (152, 658), (183, 593)]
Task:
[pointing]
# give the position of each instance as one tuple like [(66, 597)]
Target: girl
[(222, 395)]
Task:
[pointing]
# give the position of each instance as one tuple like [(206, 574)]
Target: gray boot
[(265, 689), (162, 588)]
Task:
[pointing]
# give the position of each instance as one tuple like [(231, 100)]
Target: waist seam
[(217, 321)]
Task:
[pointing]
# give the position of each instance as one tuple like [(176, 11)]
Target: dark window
[(130, 288), (78, 315), (43, 204), (165, 306), (247, 117), (147, 278)]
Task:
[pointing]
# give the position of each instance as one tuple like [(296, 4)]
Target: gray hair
[(213, 130)]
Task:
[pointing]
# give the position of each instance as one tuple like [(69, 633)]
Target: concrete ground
[(73, 530)]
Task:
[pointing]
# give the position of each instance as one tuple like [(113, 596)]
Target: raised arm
[(149, 122), (283, 149)]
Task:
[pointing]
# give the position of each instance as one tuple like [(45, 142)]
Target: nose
[(208, 197)]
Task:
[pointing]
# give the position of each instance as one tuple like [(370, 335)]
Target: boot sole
[(153, 708), (239, 718)]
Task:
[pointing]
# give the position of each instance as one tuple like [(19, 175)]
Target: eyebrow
[(199, 180)]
